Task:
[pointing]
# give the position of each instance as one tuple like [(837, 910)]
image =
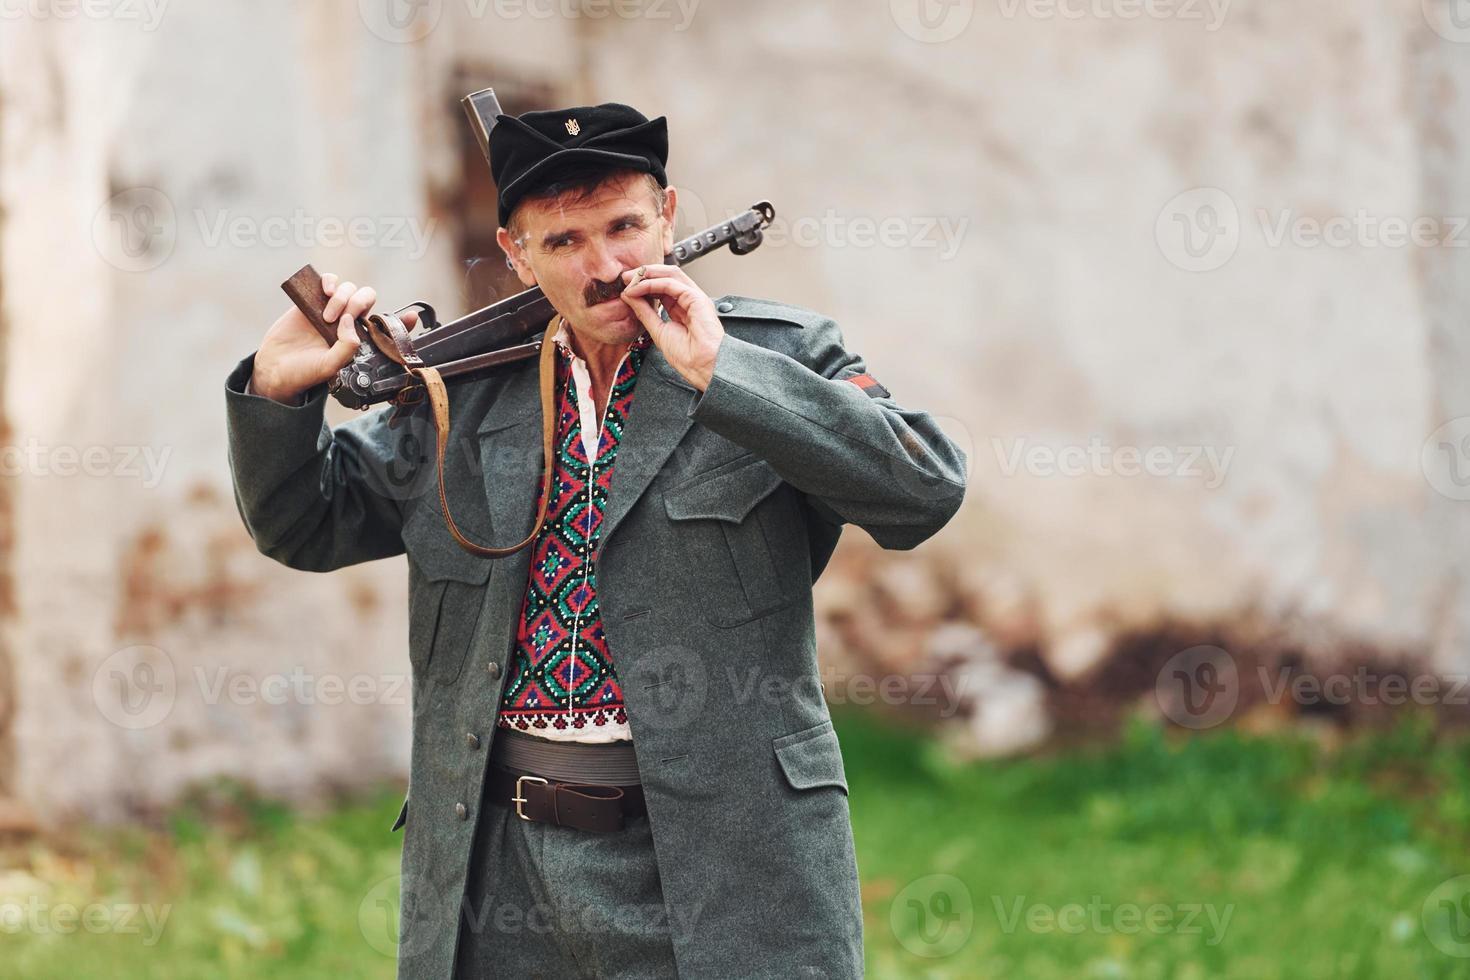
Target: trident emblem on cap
[(573, 127)]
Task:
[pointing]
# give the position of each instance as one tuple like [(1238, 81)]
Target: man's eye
[(625, 225)]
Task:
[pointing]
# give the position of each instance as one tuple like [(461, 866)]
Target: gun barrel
[(482, 107)]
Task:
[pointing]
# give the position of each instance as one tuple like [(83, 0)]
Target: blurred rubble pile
[(938, 640)]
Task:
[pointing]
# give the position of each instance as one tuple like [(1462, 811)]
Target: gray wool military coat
[(723, 509)]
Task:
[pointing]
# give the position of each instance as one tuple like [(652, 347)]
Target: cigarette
[(638, 275)]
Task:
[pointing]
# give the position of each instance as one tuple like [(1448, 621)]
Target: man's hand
[(293, 357), (691, 338)]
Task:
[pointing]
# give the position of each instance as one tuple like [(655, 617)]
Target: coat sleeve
[(847, 444), (312, 497)]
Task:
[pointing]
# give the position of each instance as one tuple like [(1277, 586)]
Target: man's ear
[(669, 213), (517, 257)]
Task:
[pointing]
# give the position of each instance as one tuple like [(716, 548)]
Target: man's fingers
[(361, 301), (338, 302), (340, 354), (682, 293), (347, 332), (329, 282), (642, 309), (660, 270)]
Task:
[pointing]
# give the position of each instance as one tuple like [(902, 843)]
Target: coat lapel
[(510, 460), (657, 420)]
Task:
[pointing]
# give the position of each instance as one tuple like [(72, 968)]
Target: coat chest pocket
[(730, 545), (447, 595)]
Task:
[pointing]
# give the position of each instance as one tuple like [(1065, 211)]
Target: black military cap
[(530, 150)]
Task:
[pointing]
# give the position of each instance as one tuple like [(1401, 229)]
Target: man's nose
[(604, 263)]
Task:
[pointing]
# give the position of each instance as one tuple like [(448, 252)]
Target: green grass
[(1313, 864)]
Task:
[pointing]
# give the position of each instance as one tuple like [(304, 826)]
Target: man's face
[(577, 251)]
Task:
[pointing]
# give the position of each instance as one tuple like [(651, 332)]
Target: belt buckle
[(519, 799)]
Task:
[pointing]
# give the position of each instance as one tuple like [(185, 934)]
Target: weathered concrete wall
[(993, 216), (1284, 387)]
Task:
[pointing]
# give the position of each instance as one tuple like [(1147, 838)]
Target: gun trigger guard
[(427, 319)]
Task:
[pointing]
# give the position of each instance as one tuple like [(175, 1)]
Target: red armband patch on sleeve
[(868, 384)]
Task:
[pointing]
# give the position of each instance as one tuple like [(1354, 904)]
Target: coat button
[(493, 669), (461, 811), (472, 740), (725, 307)]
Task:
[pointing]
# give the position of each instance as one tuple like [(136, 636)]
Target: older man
[(622, 762)]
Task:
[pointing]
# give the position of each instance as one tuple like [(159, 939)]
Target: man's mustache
[(598, 291)]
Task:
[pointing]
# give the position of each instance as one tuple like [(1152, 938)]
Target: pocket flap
[(402, 816), (727, 496), (811, 758)]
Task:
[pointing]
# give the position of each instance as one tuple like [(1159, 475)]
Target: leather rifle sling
[(391, 337)]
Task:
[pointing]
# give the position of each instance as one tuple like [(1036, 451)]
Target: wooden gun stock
[(305, 290)]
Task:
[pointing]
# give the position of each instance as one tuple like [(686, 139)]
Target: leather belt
[(544, 781)]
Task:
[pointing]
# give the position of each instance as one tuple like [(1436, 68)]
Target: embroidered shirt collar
[(581, 380)]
